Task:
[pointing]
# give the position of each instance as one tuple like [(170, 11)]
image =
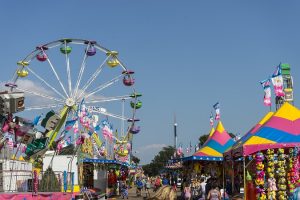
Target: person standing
[(165, 181), (202, 188), (208, 186), (124, 190), (157, 183), (148, 186), (214, 193), (139, 187), (187, 192)]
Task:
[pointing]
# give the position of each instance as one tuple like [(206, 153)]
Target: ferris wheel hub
[(70, 102)]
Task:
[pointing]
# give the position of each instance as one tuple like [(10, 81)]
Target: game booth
[(209, 155), (266, 159)]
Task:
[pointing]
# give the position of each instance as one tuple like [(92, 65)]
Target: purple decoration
[(41, 57), (128, 81), (12, 85), (133, 120), (90, 42), (135, 130), (91, 51), (128, 72), (42, 47)]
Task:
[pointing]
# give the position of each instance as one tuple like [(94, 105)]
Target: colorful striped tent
[(236, 149), (281, 130), (211, 132), (217, 143), (209, 136)]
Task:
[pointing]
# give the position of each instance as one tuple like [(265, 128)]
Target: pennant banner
[(36, 120), (277, 81), (69, 124), (211, 119), (267, 89), (217, 110)]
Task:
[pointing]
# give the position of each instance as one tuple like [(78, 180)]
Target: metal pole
[(232, 177), (224, 179), (244, 161), (175, 132)]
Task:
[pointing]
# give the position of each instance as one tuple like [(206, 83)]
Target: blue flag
[(69, 124), (36, 120)]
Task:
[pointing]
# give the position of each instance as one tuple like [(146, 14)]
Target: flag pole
[(175, 132)]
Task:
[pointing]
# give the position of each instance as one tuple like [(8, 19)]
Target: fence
[(23, 181)]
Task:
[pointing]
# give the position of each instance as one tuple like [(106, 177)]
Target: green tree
[(202, 139), (68, 150), (231, 134), (135, 159), (49, 182), (159, 161)]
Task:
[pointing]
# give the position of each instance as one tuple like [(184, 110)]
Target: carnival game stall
[(209, 155), (233, 165), (112, 171), (270, 156)]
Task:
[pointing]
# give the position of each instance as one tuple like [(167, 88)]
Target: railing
[(23, 181)]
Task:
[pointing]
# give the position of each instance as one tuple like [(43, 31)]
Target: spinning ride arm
[(53, 133)]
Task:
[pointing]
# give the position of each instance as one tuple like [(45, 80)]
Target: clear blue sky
[(187, 54)]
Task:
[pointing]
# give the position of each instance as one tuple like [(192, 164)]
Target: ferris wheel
[(63, 75)]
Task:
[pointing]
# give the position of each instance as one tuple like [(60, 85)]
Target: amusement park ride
[(287, 86), (72, 103)]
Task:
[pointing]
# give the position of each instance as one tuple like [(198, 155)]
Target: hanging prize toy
[(270, 174), (293, 173), (282, 195), (296, 166), (260, 177)]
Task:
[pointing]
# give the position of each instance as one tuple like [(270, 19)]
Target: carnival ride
[(73, 95), (283, 79)]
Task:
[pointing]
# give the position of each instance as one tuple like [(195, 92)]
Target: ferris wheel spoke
[(82, 67), (93, 78), (14, 78), (40, 94), (102, 87), (45, 82), (121, 64), (122, 121), (56, 75), (94, 109), (108, 99), (50, 46), (68, 71), (43, 107)]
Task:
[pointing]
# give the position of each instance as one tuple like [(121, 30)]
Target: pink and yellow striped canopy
[(281, 129), (217, 143)]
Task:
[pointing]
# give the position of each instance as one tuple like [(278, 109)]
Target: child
[(124, 190)]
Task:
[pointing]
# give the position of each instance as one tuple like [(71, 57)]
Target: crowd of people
[(197, 188), (201, 188), (204, 188)]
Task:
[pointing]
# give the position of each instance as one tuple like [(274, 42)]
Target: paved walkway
[(132, 194)]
